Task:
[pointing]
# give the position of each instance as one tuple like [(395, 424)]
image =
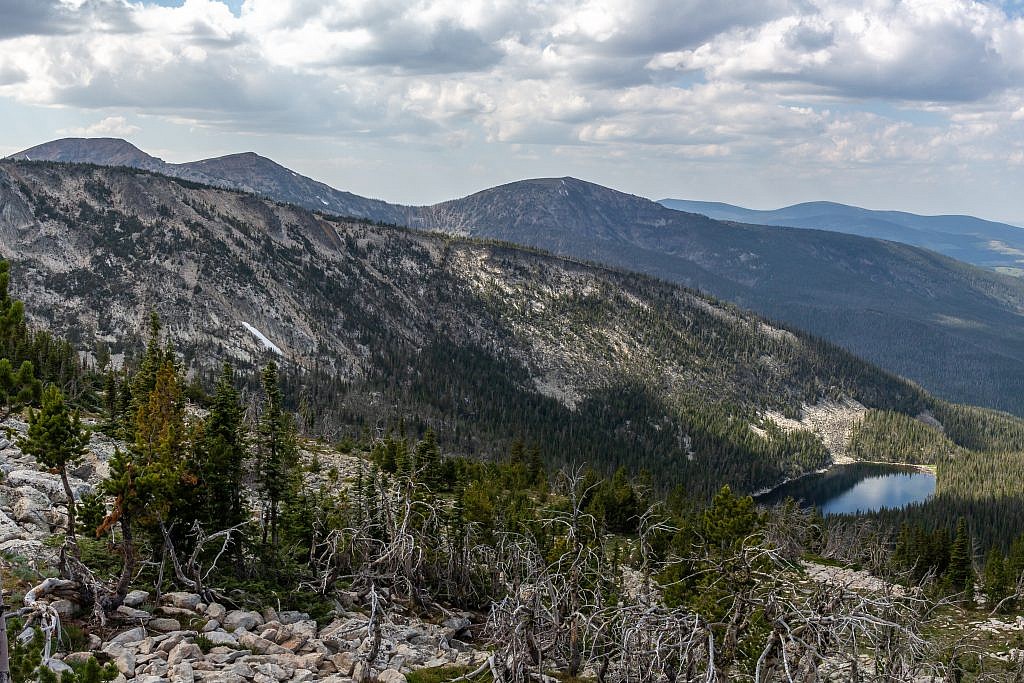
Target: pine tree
[(21, 388), (729, 519), (959, 577), (124, 486), (996, 581), (428, 462), (277, 452), (57, 439), (223, 456), (12, 312)]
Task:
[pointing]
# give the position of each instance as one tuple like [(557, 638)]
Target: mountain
[(951, 326), (375, 325), (100, 151), (248, 172), (998, 246)]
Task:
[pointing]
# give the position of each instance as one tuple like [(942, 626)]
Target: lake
[(860, 487)]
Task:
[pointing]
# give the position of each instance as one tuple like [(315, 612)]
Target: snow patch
[(271, 346), (322, 200)]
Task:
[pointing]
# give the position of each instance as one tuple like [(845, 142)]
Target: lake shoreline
[(929, 469)]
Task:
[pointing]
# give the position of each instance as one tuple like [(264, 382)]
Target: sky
[(892, 104)]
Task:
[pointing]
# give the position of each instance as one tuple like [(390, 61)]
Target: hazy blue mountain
[(984, 243)]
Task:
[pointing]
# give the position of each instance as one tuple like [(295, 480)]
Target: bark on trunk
[(72, 540)]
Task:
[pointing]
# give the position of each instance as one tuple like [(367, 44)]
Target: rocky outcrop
[(268, 646), (185, 640)]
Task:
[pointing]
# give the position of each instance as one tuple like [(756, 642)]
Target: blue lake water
[(860, 487)]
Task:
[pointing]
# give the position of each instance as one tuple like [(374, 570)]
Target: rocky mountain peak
[(100, 151)]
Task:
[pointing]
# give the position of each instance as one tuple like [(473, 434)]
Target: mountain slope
[(951, 326), (247, 172), (486, 342), (966, 238)]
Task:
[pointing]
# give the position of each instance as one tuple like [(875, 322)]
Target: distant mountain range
[(953, 327), (984, 243)]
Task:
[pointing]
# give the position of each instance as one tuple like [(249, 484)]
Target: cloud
[(942, 51), (111, 126), (770, 83)]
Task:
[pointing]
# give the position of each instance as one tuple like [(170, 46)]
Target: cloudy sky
[(912, 104)]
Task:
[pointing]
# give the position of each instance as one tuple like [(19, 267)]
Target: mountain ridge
[(946, 324), (486, 342), (989, 244)]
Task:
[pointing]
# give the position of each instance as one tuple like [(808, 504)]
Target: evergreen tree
[(145, 377), (223, 456), (729, 519), (12, 312), (277, 452), (129, 500), (160, 440), (959, 577), (996, 580), (429, 468), (57, 440)]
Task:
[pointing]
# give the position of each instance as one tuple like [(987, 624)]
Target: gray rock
[(58, 667), (132, 614), (48, 485), (272, 670), (132, 635), (289, 617), (164, 625), (456, 626), (183, 600), (217, 611), (182, 673), (184, 651), (123, 658), (221, 638), (65, 608), (30, 506), (136, 598), (236, 619), (390, 676)]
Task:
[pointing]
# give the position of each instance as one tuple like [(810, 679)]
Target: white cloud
[(829, 84), (111, 126)]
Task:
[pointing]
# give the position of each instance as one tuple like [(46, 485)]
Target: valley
[(456, 400)]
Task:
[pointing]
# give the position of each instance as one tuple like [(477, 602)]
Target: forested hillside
[(287, 560), (948, 325), (380, 326)]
